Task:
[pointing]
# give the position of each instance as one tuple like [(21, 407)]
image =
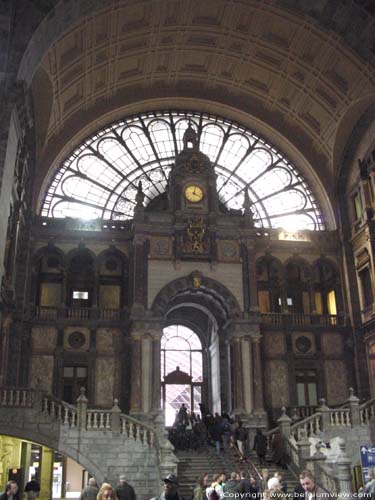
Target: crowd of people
[(197, 432), (239, 484)]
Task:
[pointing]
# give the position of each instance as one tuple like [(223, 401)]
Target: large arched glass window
[(99, 179), (181, 370)]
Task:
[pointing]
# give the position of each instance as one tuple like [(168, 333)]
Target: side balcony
[(310, 320), (67, 314)]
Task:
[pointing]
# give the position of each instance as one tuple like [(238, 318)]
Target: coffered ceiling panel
[(249, 51)]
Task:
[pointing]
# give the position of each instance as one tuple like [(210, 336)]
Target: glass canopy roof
[(100, 178)]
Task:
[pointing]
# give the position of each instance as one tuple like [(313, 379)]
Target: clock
[(194, 193)]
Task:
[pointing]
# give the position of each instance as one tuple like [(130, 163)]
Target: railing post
[(344, 473), (316, 463), (303, 445), (355, 414), (82, 409), (115, 417), (167, 459), (284, 423), (325, 412)]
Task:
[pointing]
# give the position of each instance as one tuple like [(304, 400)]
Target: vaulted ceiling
[(273, 69)]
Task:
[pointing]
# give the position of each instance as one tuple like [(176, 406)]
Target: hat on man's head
[(171, 478), (122, 477)]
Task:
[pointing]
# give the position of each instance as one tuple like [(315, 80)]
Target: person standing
[(32, 488), (200, 490), (11, 491), (312, 490), (90, 491), (260, 446), (241, 436), (124, 490), (170, 489), (232, 487)]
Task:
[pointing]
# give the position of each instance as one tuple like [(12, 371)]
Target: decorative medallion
[(303, 344), (76, 340)]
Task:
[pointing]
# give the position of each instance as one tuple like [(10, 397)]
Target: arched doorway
[(181, 371)]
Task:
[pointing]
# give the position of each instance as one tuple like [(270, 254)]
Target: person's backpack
[(212, 495)]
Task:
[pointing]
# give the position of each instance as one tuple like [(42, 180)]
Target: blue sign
[(367, 461)]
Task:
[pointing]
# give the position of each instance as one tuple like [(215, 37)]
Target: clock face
[(194, 193)]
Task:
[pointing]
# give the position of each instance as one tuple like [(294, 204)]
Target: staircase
[(193, 464)]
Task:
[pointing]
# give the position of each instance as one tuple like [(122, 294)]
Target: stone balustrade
[(96, 419), (16, 398), (47, 314), (89, 436), (320, 320), (349, 424), (367, 411)]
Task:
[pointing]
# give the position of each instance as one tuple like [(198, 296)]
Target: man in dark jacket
[(32, 488), (124, 490), (232, 487), (170, 489), (90, 491), (260, 446)]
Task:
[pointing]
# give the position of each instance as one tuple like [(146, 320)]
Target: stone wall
[(160, 273), (103, 453)]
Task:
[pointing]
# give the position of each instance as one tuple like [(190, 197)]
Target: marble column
[(237, 377), (146, 373), (253, 288), (136, 375), (156, 373), (258, 397), (247, 372), (46, 470)]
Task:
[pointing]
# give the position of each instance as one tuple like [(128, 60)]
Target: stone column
[(247, 371), (140, 263), (237, 379), (46, 470), (258, 397), (156, 373), (253, 289), (6, 321), (136, 375), (147, 373)]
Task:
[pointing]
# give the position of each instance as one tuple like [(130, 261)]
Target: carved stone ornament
[(160, 248), (228, 250), (303, 344), (196, 278), (76, 340), (196, 241)]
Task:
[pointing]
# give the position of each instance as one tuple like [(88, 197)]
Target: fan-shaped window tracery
[(99, 179)]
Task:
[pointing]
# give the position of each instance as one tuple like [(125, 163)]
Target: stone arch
[(209, 290), (51, 440), (299, 261)]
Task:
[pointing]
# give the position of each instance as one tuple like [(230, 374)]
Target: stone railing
[(367, 410), (77, 313), (309, 426), (91, 419), (323, 425), (304, 319), (16, 398)]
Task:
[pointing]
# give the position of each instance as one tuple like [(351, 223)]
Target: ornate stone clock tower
[(192, 181)]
